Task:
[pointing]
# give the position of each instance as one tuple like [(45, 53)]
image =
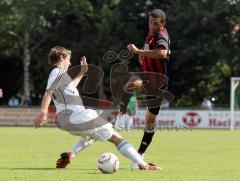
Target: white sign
[(183, 119), (166, 119)]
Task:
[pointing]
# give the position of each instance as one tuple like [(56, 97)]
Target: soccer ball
[(108, 163)]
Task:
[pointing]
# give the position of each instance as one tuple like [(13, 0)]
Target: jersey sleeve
[(162, 41), (54, 79)]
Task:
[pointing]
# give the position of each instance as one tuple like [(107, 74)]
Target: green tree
[(23, 30), (203, 48)]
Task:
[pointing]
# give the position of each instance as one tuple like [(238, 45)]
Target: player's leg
[(130, 152), (66, 123), (150, 125), (80, 145), (125, 148), (106, 133)]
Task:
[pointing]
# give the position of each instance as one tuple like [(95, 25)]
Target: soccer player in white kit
[(72, 115)]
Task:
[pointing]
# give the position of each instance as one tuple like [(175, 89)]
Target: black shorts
[(154, 110)]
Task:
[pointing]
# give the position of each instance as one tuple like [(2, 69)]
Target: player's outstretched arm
[(160, 53), (41, 118), (84, 69)]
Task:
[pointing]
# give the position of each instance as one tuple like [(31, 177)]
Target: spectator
[(24, 101), (13, 102)]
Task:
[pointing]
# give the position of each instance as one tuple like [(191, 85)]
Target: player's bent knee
[(116, 138), (134, 83)]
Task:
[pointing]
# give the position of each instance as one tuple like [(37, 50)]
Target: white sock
[(81, 145), (128, 151)]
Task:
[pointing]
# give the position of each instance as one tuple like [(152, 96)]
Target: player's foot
[(149, 166), (64, 160), (134, 165)]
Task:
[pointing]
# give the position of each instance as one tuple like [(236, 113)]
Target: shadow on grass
[(89, 171), (99, 173), (45, 169)]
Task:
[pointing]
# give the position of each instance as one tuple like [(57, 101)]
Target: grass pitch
[(30, 154)]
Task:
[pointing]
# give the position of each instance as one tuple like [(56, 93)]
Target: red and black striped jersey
[(159, 39)]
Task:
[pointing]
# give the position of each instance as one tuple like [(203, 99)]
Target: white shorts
[(85, 123), (101, 133), (83, 116)]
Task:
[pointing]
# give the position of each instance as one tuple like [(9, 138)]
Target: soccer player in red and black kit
[(153, 58)]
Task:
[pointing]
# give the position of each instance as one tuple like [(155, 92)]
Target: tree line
[(204, 42)]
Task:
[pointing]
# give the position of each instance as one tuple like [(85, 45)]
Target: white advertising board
[(167, 119)]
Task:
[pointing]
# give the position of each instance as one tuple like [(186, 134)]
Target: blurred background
[(204, 36)]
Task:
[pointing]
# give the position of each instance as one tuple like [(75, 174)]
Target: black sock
[(146, 140)]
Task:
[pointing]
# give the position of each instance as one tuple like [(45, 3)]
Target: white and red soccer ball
[(108, 163)]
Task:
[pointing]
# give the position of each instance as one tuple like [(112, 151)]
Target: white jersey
[(65, 94), (78, 121)]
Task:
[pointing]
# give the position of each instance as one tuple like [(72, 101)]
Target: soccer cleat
[(149, 166), (64, 160)]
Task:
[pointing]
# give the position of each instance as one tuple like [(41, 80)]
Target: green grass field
[(30, 154)]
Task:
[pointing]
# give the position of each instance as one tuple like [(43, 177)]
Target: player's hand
[(40, 120), (132, 48), (84, 65)]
